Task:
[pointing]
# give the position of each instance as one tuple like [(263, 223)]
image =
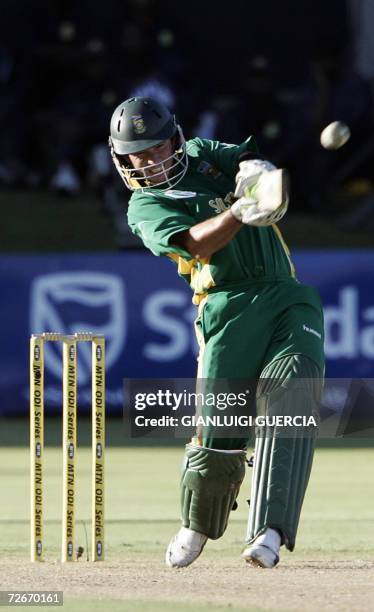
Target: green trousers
[(243, 330)]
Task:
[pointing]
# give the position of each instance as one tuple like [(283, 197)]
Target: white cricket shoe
[(185, 547), (264, 552)]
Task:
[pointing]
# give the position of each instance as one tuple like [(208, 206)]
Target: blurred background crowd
[(278, 70)]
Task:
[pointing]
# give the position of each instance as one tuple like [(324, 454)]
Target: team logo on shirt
[(138, 123), (208, 170), (177, 194)]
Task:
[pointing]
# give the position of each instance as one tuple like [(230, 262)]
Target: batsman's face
[(154, 162)]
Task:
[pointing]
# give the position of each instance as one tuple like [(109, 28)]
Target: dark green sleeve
[(154, 220), (224, 156)]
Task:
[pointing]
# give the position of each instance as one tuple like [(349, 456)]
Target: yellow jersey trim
[(200, 274), (285, 248)]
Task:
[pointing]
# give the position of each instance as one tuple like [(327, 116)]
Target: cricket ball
[(335, 135)]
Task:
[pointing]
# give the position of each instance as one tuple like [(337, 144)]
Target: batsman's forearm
[(205, 238)]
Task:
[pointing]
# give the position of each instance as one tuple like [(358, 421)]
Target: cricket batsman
[(213, 208)]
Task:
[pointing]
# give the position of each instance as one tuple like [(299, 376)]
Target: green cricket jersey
[(254, 254)]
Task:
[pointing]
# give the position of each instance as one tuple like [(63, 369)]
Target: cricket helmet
[(141, 123)]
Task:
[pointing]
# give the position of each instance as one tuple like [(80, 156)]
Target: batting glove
[(249, 173), (265, 202)]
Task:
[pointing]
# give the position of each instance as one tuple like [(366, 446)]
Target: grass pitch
[(332, 566)]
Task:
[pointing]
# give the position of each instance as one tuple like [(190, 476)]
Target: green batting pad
[(210, 484), (283, 456)]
